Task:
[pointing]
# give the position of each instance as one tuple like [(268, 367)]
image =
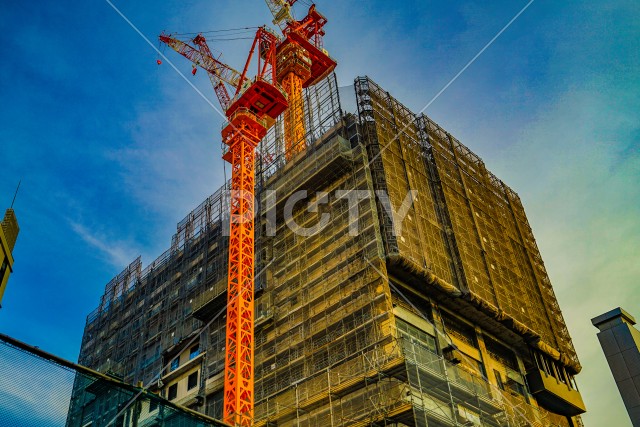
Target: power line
[(227, 39), (218, 31)]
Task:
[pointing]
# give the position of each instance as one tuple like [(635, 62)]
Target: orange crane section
[(294, 68), (301, 62), (250, 112)]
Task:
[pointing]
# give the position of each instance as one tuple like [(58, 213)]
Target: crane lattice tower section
[(440, 313)]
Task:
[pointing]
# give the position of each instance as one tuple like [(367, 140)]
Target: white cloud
[(583, 202), (117, 252), (38, 392)]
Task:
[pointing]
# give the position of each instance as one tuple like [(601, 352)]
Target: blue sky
[(38, 392), (113, 150)]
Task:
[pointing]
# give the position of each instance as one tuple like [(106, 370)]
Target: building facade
[(8, 236), (397, 283)]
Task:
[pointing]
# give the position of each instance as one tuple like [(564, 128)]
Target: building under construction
[(398, 282), (9, 230)]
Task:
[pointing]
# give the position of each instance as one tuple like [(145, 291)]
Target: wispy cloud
[(117, 252), (583, 202), (32, 391)]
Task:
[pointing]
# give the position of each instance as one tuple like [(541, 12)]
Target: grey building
[(620, 341)]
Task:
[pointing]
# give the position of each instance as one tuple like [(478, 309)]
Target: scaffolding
[(146, 312), (331, 311), (145, 315), (469, 229), (330, 345)]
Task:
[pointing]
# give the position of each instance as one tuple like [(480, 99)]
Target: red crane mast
[(301, 62), (250, 112)]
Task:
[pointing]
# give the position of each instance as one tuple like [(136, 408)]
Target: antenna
[(16, 193)]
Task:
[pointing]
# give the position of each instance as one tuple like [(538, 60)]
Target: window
[(195, 351), (153, 405), (500, 353), (192, 381), (460, 330), (214, 405), (413, 305), (174, 364), (499, 379), (415, 335), (172, 392), (516, 387), (192, 282)]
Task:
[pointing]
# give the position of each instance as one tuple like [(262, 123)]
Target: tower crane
[(250, 111), (301, 62)]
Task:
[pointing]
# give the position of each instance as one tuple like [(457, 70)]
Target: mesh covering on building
[(146, 312), (467, 227), (329, 350), (38, 389)]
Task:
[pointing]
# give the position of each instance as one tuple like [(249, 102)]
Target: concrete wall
[(620, 341)]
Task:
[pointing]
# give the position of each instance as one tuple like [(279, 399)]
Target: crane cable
[(241, 29)]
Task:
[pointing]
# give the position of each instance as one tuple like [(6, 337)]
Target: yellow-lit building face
[(8, 236)]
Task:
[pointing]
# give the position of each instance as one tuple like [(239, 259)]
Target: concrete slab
[(632, 360), (629, 392), (624, 338), (608, 342), (634, 414), (618, 367)]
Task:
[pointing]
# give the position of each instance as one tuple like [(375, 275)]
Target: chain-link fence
[(38, 389)]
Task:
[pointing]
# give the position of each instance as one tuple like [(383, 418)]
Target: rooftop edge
[(611, 315)]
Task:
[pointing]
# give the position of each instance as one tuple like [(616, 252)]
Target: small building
[(8, 236)]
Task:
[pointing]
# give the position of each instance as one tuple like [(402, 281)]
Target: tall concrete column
[(620, 341)]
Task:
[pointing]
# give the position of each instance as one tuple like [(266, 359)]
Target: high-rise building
[(398, 282), (8, 237), (620, 341)]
